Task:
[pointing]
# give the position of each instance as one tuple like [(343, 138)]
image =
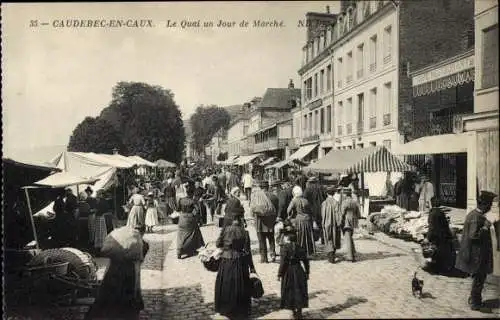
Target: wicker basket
[(60, 268)]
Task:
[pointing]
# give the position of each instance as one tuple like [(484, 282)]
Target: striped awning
[(372, 159), (289, 161), (243, 160)]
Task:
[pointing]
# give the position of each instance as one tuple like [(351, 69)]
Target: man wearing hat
[(476, 253), (332, 221), (351, 214), (264, 225)]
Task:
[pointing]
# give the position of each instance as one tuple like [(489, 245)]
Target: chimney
[(327, 9), (290, 84)]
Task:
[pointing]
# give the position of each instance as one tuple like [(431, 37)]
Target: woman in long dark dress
[(120, 295), (232, 285), (294, 293), (300, 212), (189, 237)]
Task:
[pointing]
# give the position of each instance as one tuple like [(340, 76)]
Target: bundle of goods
[(124, 244), (397, 222), (209, 256), (261, 204)]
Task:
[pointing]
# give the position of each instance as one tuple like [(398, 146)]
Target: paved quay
[(376, 286)]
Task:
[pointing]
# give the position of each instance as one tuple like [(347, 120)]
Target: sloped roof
[(280, 98)]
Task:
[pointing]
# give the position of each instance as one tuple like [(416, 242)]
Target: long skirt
[(294, 294), (100, 232), (332, 238), (91, 225), (233, 288), (189, 237), (120, 294), (349, 244), (152, 217), (305, 233), (136, 217)]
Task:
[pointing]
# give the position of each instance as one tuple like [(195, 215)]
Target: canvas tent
[(164, 164)]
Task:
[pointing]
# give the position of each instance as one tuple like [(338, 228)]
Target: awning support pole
[(31, 218)]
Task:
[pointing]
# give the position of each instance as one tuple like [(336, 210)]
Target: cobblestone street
[(377, 286)]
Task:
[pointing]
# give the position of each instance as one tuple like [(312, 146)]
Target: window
[(360, 61), (304, 129), (315, 85), (329, 119), (361, 112), (316, 122), (373, 53), (309, 89), (348, 116), (387, 44), (489, 63), (340, 118), (373, 108), (322, 121), (311, 123), (329, 78), (387, 104), (339, 72), (322, 81), (349, 68), (373, 144)]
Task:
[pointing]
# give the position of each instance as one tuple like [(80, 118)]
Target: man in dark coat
[(331, 214), (301, 180), (476, 253), (315, 195), (285, 196), (264, 225)]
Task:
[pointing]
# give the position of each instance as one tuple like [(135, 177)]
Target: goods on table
[(261, 204), (396, 221)]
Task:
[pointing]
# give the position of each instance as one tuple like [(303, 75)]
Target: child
[(151, 212), (294, 293)]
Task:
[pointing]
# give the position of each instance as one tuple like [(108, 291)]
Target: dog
[(416, 286)]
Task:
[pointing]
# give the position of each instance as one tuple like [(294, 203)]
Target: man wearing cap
[(476, 251), (264, 225), (351, 214), (332, 221)]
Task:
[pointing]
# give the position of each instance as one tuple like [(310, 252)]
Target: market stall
[(354, 161), (279, 170)]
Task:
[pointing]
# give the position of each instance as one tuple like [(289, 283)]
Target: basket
[(60, 269), (212, 264)]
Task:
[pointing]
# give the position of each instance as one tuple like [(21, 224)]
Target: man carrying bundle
[(264, 206)]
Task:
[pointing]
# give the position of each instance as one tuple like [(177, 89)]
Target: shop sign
[(444, 71)]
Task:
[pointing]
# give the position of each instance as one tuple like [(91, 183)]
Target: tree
[(95, 135), (149, 120), (205, 123)]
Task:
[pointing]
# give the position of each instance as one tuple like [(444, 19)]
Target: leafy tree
[(205, 123), (149, 120), (95, 135)]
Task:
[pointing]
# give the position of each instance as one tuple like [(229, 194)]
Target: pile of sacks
[(397, 222)]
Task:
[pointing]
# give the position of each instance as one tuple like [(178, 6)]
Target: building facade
[(482, 125), (237, 137)]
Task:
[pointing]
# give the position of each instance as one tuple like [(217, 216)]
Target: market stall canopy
[(243, 160), (164, 164), (289, 161), (439, 144), (32, 164), (267, 161), (303, 152), (372, 159), (142, 162), (231, 160), (64, 179)]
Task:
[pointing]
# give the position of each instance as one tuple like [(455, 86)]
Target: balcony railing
[(360, 73), (387, 59), (348, 79), (387, 119), (314, 137), (373, 67), (349, 128), (271, 144), (361, 126), (438, 125), (373, 122), (339, 130)]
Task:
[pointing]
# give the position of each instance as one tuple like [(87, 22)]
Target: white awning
[(267, 161), (247, 159), (303, 151), (438, 144)]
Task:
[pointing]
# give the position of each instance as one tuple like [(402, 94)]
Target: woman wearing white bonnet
[(300, 212), (233, 207)]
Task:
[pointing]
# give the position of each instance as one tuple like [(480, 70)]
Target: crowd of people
[(291, 217)]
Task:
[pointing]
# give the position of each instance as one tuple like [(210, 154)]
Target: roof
[(280, 98)]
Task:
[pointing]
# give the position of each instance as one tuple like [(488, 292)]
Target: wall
[(429, 31), (284, 131)]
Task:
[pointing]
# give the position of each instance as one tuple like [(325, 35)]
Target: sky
[(54, 77)]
